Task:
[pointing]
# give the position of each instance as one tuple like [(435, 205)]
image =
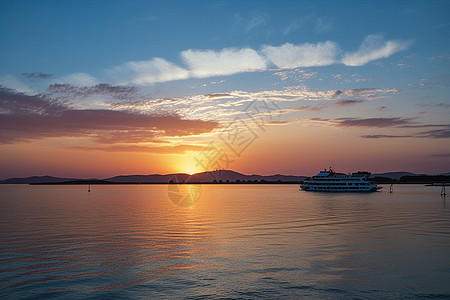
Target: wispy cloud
[(297, 74), (444, 56), (219, 96), (208, 63), (364, 122), (148, 72), (82, 79), (289, 56), (348, 102), (367, 93), (256, 21), (294, 26), (177, 149), (372, 48), (442, 133), (371, 122), (221, 106), (305, 108), (320, 24), (384, 136), (438, 105), (13, 83), (436, 134), (340, 103), (278, 122), (37, 75)]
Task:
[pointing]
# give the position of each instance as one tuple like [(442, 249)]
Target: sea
[(224, 241)]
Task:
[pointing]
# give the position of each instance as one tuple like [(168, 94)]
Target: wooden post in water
[(89, 188), (391, 188), (443, 189)]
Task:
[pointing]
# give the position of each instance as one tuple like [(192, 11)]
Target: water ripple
[(236, 242)]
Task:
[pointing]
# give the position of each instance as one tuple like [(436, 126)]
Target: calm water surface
[(236, 241)]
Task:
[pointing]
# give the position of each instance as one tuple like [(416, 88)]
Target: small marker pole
[(89, 188)]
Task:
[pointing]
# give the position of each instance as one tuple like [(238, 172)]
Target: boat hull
[(314, 189), (332, 182)]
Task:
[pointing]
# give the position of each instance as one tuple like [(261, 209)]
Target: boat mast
[(443, 189)]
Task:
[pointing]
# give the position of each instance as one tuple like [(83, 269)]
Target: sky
[(94, 89)]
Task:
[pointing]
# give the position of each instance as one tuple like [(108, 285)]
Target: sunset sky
[(103, 88)]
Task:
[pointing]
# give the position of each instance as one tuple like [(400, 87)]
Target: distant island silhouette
[(220, 177)]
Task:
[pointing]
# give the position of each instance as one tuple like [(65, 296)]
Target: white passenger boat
[(330, 181)]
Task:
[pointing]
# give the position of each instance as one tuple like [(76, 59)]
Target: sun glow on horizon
[(189, 166)]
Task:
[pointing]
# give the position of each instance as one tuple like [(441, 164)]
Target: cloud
[(340, 103), (445, 56), (368, 93), (383, 136), (81, 79), (278, 122), (13, 83), (365, 122), (219, 96), (433, 134), (289, 56), (294, 26), (37, 75), (229, 61), (392, 123), (348, 102), (436, 134), (178, 149), (16, 103), (25, 118), (371, 122), (302, 93), (148, 72), (224, 106), (438, 105), (297, 74), (336, 94), (207, 63), (102, 125), (256, 21), (118, 92), (320, 24), (304, 108), (372, 48)]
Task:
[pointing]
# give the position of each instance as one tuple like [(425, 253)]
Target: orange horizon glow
[(280, 150)]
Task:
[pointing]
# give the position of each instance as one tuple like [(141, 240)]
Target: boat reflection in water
[(330, 181)]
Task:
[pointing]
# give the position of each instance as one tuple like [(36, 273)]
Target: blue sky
[(64, 37), (384, 64)]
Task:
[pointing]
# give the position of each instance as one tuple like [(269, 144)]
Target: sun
[(188, 166)]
